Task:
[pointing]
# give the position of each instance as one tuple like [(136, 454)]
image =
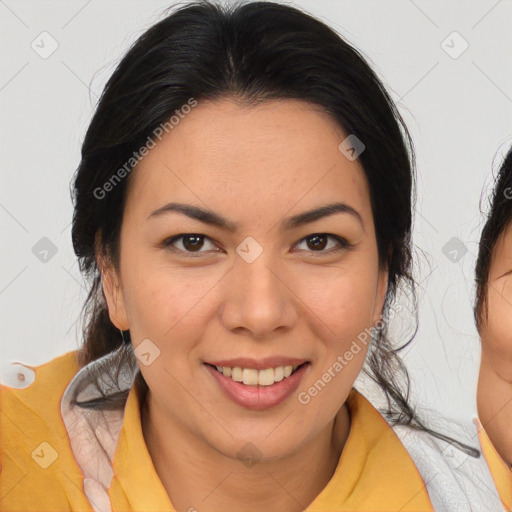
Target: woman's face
[(262, 293), (496, 329), (495, 376)]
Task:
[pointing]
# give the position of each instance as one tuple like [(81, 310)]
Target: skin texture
[(254, 165), (494, 396)]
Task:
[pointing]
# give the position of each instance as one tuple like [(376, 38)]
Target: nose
[(259, 301)]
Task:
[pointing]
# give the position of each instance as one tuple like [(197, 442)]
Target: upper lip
[(258, 364)]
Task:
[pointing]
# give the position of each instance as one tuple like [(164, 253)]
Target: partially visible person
[(493, 316)]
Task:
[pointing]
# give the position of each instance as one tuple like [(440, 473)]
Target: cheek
[(170, 308), (345, 300), (163, 302), (342, 315), (497, 333)]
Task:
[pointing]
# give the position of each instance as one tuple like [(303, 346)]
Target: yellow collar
[(501, 473), (375, 472)]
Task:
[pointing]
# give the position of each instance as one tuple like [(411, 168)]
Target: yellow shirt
[(501, 473), (39, 472)]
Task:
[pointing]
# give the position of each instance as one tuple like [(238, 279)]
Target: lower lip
[(258, 397)]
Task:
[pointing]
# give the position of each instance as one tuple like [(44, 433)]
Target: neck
[(198, 477)]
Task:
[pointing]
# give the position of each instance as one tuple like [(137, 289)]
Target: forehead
[(229, 155)]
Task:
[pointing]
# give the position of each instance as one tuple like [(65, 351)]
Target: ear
[(380, 296), (113, 292)]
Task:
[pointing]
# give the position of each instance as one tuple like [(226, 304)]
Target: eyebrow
[(214, 219)]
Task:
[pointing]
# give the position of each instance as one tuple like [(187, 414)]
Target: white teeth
[(266, 377), (250, 376), (278, 374), (236, 374), (253, 377)]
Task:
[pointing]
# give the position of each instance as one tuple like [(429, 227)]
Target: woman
[(493, 309), (243, 209)]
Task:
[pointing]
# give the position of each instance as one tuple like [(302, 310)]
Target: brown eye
[(193, 242), (317, 242), (190, 243)]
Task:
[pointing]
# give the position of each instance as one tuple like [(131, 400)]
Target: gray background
[(457, 107)]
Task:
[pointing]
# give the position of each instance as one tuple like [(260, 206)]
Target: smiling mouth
[(253, 377)]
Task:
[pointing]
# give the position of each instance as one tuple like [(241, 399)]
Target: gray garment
[(455, 481)]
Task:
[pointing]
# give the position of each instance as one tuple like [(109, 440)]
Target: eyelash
[(343, 244)]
